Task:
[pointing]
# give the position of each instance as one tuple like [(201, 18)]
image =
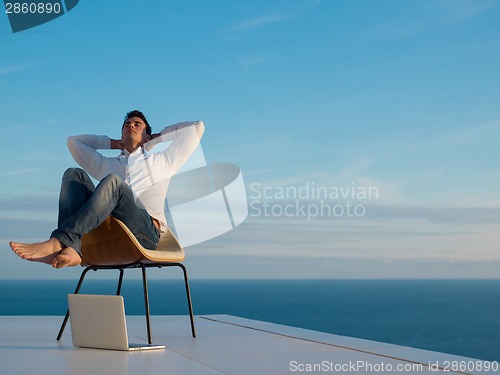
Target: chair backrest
[(112, 243)]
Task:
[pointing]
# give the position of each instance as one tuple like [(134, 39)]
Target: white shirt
[(147, 173)]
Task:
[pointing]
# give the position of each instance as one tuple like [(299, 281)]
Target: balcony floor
[(224, 345)]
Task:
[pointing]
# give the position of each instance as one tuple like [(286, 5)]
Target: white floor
[(224, 345)]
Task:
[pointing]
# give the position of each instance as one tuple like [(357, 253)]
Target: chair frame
[(143, 266)]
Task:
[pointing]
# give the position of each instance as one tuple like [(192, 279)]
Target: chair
[(112, 246)]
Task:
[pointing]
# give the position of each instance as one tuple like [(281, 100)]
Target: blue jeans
[(83, 207)]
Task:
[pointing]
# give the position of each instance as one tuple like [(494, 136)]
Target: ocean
[(451, 316)]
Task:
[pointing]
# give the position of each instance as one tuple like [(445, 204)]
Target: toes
[(18, 249), (60, 261)]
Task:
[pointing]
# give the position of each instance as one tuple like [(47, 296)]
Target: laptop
[(98, 321)]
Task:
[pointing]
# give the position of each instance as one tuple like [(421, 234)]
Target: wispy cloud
[(384, 233), (473, 135), (21, 172), (403, 145), (277, 17), (462, 10), (371, 167), (250, 61), (39, 124), (483, 133), (9, 69), (260, 21), (18, 127), (429, 16)]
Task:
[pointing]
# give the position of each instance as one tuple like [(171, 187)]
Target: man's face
[(134, 129)]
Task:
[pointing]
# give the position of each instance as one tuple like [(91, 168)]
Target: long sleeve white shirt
[(148, 173)]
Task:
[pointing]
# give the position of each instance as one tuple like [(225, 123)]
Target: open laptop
[(98, 321)]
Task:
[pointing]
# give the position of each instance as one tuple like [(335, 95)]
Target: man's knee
[(111, 180), (75, 174)]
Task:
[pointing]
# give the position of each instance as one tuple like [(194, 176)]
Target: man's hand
[(117, 144)]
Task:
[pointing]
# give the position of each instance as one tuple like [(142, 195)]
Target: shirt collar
[(139, 150)]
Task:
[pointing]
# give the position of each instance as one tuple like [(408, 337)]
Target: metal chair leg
[(188, 295), (77, 290), (146, 302), (120, 280)]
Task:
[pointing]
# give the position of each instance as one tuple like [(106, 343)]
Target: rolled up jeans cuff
[(67, 241)]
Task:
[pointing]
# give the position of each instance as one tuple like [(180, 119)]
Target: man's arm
[(199, 125), (185, 137), (84, 148), (117, 144)]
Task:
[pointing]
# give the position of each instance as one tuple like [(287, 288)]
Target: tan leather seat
[(112, 243)]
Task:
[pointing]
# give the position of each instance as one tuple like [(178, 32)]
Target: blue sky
[(401, 96)]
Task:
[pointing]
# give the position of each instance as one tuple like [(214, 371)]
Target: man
[(132, 187)]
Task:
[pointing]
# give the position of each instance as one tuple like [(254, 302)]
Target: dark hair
[(136, 113)]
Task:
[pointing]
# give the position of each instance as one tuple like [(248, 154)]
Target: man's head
[(135, 129), (139, 114)]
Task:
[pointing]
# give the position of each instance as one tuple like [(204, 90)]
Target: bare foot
[(68, 257), (44, 252)]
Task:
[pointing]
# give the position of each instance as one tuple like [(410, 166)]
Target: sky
[(366, 131)]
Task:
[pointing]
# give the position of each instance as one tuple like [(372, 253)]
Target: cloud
[(385, 232), (28, 207), (401, 145), (292, 267), (5, 70), (40, 124), (261, 21), (17, 128), (407, 169), (428, 17), (250, 61), (482, 133), (462, 10), (18, 172), (26, 229), (287, 15)]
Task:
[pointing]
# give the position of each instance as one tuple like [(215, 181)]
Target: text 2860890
[(32, 8)]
